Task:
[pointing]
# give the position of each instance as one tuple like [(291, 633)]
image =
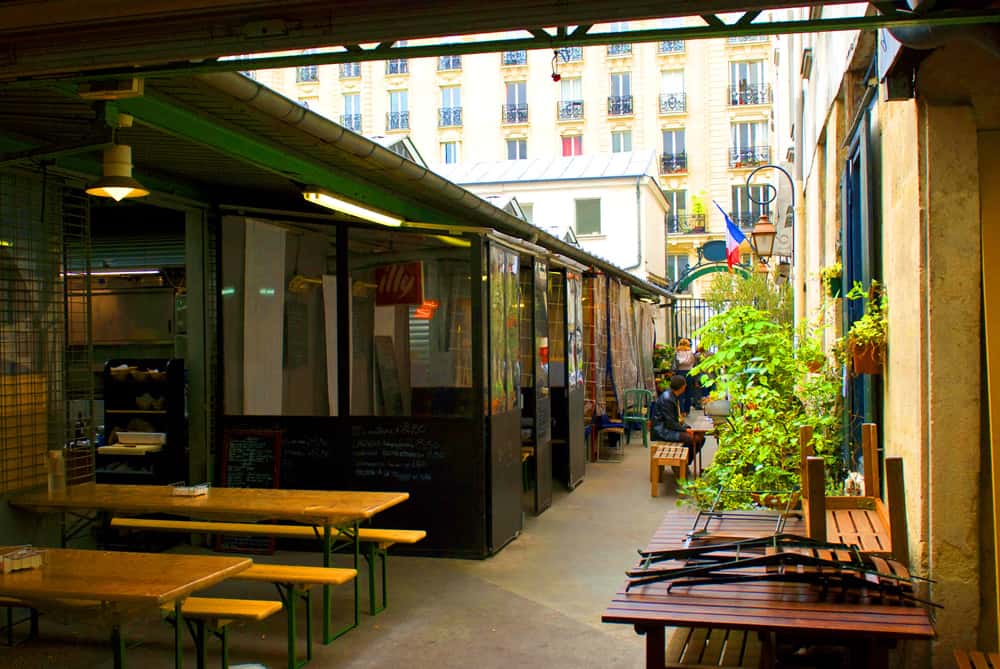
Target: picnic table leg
[(352, 534), (117, 645), (178, 635), (327, 549), (656, 645)]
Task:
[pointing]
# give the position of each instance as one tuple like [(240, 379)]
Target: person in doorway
[(684, 361), (702, 395), (666, 418)]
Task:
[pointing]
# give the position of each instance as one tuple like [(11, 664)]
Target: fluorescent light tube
[(325, 199)]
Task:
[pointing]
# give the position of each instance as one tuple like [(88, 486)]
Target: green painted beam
[(160, 113), (540, 39), (704, 270)]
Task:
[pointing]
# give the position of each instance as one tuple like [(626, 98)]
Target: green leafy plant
[(663, 357), (733, 290), (698, 211), (832, 278), (757, 364), (872, 329)]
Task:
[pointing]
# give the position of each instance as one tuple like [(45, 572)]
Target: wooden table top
[(314, 507), (112, 576), (699, 422), (772, 607)]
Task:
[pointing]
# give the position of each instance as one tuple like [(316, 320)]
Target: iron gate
[(687, 314)]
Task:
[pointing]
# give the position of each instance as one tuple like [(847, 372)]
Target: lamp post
[(764, 232)]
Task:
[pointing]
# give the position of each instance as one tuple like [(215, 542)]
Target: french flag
[(734, 237)]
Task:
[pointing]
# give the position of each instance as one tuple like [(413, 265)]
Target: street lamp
[(764, 232)]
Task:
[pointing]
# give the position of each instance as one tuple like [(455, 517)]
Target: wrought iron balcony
[(449, 63), (683, 223), (307, 74), (570, 54), (397, 120), (671, 46), (514, 114), (750, 94), (621, 106), (350, 70), (570, 110), (397, 66), (673, 103), (749, 156), (351, 121), (619, 49), (746, 39), (745, 219), (449, 116), (673, 163), (511, 58)]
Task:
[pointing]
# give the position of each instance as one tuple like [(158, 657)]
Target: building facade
[(704, 107)]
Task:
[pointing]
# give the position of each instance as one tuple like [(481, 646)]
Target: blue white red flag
[(734, 237)]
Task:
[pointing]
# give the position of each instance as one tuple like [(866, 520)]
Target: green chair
[(636, 412)]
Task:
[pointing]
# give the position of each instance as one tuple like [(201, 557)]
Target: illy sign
[(402, 283)]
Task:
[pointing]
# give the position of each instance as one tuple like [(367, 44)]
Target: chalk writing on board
[(250, 460), (305, 460), (399, 452)]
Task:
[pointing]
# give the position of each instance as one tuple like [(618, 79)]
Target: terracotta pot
[(867, 359)]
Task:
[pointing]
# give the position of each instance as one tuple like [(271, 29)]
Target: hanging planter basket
[(867, 359), (834, 286)]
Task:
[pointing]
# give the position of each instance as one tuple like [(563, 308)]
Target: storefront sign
[(402, 283)]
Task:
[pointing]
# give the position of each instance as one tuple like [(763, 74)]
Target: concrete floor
[(538, 603)]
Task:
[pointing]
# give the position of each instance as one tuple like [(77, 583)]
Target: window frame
[(577, 203)]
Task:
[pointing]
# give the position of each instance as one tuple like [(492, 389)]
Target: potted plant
[(832, 277), (868, 335), (697, 216)]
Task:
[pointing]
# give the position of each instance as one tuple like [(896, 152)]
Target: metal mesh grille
[(35, 382), (213, 380)]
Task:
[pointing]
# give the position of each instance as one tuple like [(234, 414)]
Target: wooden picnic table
[(325, 510), (121, 582), (703, 425), (767, 608)]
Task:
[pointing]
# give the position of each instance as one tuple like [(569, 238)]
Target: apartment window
[(517, 149), (746, 210), (449, 152), (570, 54), (677, 266), (397, 66), (746, 83), (450, 113), (677, 212), (672, 96), (619, 49), (516, 109), (571, 99), (512, 58), (350, 70), (352, 112), (399, 113), (674, 157), (621, 141), (620, 100), (749, 144), (572, 145), (450, 63), (307, 74), (529, 211), (588, 217)]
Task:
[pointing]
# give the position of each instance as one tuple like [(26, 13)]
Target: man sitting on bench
[(666, 418)]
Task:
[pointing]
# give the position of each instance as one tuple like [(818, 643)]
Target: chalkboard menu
[(406, 452), (305, 460), (250, 459)]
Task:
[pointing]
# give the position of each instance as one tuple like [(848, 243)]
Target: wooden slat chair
[(873, 525), (214, 615), (706, 648), (294, 584), (976, 659)]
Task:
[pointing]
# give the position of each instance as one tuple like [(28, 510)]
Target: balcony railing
[(746, 39), (746, 219), (450, 63), (673, 163), (350, 70), (514, 114), (671, 46), (570, 54), (449, 117), (685, 223), (673, 103), (750, 94), (397, 66), (511, 58), (619, 49), (307, 74), (351, 121), (397, 120), (749, 156), (570, 110), (620, 106)]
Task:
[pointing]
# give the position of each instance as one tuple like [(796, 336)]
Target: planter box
[(867, 359)]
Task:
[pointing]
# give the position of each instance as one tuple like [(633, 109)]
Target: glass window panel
[(672, 81), (588, 217), (352, 104), (571, 89), (398, 101), (517, 149), (621, 84), (517, 93)]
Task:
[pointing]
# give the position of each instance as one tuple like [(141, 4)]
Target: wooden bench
[(976, 659), (666, 454), (214, 614), (377, 541), (10, 603), (293, 584), (704, 648)]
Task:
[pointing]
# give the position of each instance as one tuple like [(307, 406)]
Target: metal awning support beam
[(540, 39)]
